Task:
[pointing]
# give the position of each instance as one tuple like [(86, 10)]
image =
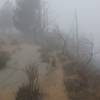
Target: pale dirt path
[(53, 86), (26, 55), (10, 79)]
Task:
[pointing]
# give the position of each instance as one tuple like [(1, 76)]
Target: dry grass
[(7, 94), (82, 82)]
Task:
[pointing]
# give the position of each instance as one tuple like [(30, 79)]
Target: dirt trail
[(24, 56), (54, 86), (10, 78)]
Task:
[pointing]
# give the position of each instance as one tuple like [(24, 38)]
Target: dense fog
[(49, 50)]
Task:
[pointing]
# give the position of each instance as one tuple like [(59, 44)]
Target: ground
[(53, 85)]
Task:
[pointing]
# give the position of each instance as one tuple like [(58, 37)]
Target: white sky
[(88, 15), (87, 10)]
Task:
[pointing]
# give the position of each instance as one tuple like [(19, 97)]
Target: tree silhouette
[(31, 91), (27, 17)]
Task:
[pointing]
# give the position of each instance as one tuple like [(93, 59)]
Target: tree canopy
[(27, 16)]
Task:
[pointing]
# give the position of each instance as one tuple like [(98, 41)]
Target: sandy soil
[(53, 86)]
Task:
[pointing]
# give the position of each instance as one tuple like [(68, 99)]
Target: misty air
[(49, 50)]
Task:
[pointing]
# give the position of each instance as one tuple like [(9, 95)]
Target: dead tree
[(90, 56), (61, 37)]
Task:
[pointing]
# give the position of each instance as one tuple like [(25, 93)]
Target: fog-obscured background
[(88, 15), (48, 40), (64, 11)]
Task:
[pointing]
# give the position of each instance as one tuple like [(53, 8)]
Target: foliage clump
[(31, 91), (4, 58)]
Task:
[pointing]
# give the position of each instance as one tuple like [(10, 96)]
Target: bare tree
[(27, 17), (61, 36)]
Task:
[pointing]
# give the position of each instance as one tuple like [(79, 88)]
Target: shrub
[(4, 58), (32, 90)]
